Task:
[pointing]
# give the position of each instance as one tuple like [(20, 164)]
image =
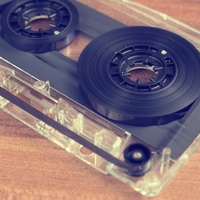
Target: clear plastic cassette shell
[(88, 125)]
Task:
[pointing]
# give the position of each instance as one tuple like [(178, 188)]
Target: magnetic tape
[(107, 72), (130, 75), (18, 24)]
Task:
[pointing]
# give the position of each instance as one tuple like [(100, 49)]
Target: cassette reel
[(18, 27), (128, 89), (140, 75)]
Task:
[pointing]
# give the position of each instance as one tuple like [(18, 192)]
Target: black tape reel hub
[(39, 26), (140, 75)]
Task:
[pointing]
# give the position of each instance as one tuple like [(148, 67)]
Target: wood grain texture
[(31, 167)]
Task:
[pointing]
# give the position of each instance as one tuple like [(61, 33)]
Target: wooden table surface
[(31, 167)]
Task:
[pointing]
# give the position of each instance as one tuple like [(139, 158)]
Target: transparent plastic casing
[(88, 125)]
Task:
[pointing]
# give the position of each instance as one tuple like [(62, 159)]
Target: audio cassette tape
[(119, 90)]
